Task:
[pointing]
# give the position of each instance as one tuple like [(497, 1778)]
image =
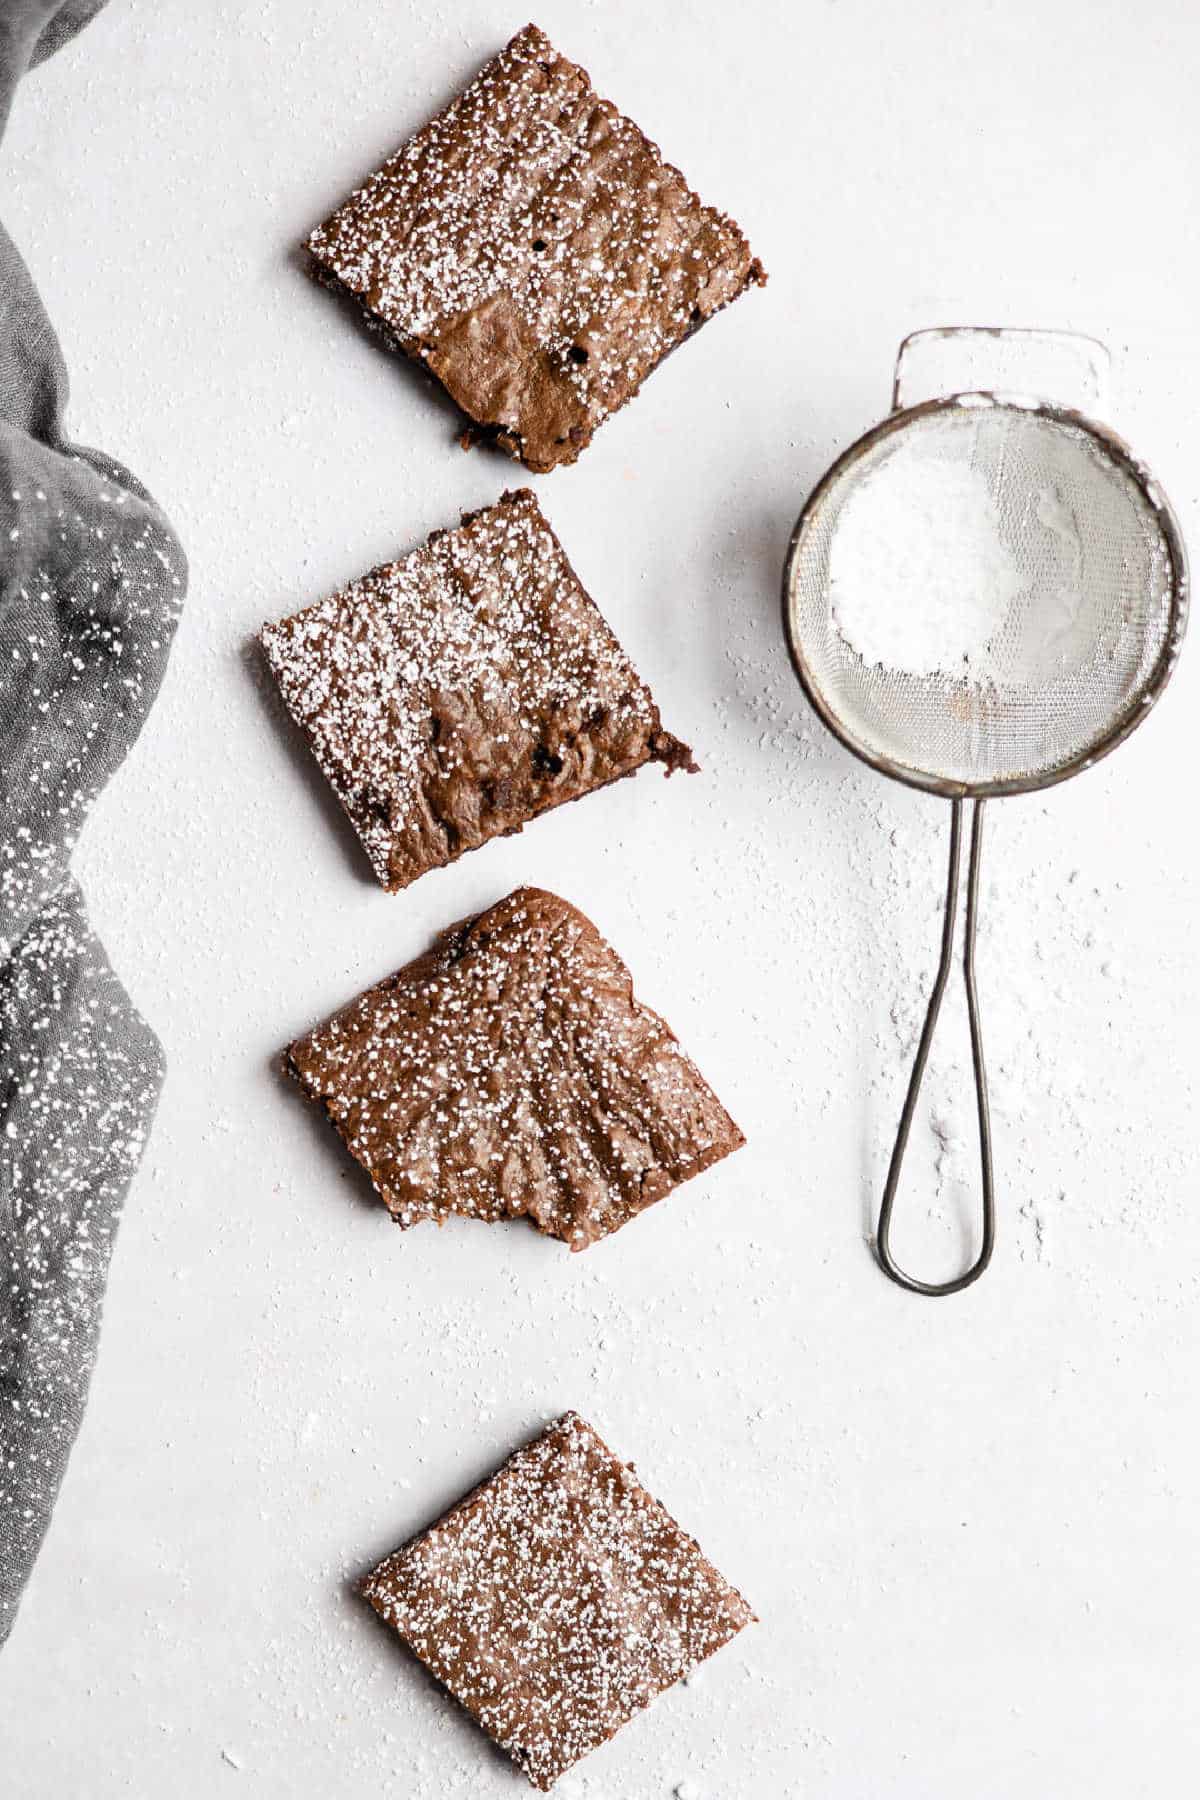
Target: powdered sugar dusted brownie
[(510, 1072), (535, 252), (557, 1600), (453, 695)]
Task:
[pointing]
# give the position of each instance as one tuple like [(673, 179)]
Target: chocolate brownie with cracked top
[(453, 695), (533, 250), (510, 1072), (557, 1600)]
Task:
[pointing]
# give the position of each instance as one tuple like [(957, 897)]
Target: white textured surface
[(970, 1527)]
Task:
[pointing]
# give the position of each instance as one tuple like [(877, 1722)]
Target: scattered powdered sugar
[(920, 576)]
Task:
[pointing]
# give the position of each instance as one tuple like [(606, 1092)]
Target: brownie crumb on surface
[(557, 1600), (453, 695), (510, 1072), (531, 248)]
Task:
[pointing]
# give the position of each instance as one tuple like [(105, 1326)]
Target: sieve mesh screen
[(1080, 638)]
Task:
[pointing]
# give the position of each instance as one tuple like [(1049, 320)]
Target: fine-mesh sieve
[(1089, 621)]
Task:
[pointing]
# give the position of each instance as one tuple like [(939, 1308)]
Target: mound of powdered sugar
[(920, 576)]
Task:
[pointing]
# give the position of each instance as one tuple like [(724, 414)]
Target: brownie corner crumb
[(673, 754)]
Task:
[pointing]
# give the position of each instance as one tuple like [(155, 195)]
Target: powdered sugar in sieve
[(920, 577)]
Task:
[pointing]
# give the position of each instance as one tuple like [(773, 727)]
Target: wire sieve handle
[(1062, 368), (883, 1248)]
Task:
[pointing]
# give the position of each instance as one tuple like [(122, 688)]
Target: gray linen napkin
[(91, 580)]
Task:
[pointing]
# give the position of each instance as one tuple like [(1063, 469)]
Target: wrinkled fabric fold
[(91, 581)]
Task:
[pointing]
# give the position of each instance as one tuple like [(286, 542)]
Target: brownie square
[(533, 250), (557, 1600), (510, 1072), (452, 696)]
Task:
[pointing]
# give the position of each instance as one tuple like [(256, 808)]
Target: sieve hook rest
[(883, 1249), (953, 359)]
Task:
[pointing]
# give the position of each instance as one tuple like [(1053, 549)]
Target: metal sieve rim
[(1125, 722)]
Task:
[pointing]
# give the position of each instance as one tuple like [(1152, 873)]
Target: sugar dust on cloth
[(923, 575)]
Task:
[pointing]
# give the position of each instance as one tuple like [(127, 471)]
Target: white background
[(971, 1527)]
